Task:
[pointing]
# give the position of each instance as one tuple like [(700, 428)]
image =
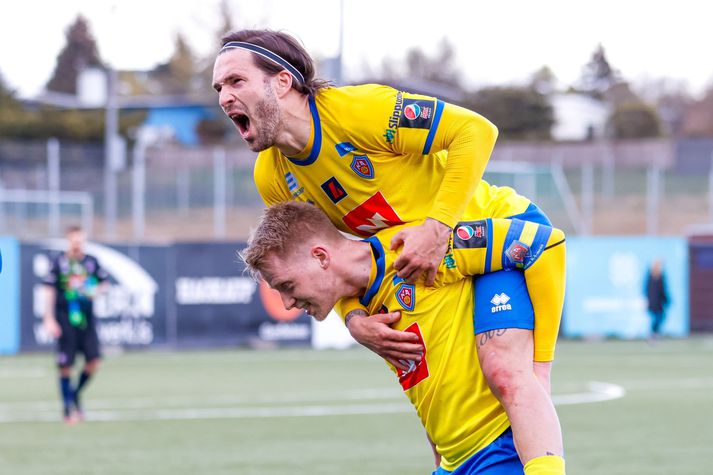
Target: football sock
[(545, 465), (83, 379), (67, 394)]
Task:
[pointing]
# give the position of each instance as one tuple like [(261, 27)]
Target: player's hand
[(375, 333), (424, 247), (52, 327)]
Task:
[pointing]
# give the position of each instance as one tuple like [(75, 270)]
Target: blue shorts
[(501, 298), (498, 458)]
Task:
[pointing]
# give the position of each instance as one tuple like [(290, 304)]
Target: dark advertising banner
[(132, 312), (186, 295), (217, 304)]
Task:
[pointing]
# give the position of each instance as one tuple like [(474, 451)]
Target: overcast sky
[(497, 42)]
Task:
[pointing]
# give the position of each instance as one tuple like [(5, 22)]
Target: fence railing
[(170, 193)]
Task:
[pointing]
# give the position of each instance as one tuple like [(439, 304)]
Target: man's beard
[(267, 123)]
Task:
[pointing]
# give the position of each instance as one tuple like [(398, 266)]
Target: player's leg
[(92, 358), (66, 354), (504, 322)]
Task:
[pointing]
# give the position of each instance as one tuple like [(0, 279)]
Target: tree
[(598, 75), (520, 113), (226, 21), (441, 68), (178, 75), (634, 120), (7, 97), (543, 80), (79, 53), (698, 117)]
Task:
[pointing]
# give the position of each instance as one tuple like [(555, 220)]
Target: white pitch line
[(20, 373), (598, 391)]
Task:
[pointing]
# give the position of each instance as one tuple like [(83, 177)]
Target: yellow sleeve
[(271, 186), (469, 139), (413, 125), (347, 305), (479, 247)]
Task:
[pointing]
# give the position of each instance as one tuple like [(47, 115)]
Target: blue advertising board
[(9, 295), (606, 277)]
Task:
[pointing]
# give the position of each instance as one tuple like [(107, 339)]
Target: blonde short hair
[(283, 228)]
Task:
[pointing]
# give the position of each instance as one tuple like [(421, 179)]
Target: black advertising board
[(181, 295), (132, 312), (218, 304)]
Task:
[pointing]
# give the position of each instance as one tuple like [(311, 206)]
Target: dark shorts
[(501, 298), (77, 340), (498, 458)]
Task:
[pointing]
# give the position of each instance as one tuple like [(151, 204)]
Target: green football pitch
[(627, 408)]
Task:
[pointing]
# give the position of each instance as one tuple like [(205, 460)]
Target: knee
[(92, 366), (504, 380)]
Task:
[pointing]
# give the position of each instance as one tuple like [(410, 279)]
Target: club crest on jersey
[(344, 148), (334, 190), (517, 252), (362, 166), (417, 114), (406, 295)]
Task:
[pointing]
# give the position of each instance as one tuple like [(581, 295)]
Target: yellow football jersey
[(447, 388), (377, 158)]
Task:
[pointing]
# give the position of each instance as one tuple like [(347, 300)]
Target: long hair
[(288, 48)]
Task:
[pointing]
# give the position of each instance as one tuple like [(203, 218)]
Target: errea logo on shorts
[(500, 302)]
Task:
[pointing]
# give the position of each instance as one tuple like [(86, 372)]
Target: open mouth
[(242, 122)]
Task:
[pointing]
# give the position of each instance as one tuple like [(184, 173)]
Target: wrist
[(351, 315), (440, 226)]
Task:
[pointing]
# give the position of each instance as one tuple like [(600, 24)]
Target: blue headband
[(265, 53)]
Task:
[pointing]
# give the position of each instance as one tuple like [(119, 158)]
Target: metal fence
[(169, 193)]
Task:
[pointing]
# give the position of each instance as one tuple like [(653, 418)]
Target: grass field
[(627, 408)]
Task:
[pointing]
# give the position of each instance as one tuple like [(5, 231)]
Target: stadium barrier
[(9, 295), (605, 286), (181, 295), (187, 295)]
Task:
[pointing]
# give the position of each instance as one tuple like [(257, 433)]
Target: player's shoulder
[(267, 165), (356, 98)]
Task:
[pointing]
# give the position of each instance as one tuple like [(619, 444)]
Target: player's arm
[(375, 333), (480, 247), (102, 277), (436, 455), (49, 292), (468, 138)]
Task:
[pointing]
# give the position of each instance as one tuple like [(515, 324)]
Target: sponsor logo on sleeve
[(417, 114), (393, 124), (470, 235)]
